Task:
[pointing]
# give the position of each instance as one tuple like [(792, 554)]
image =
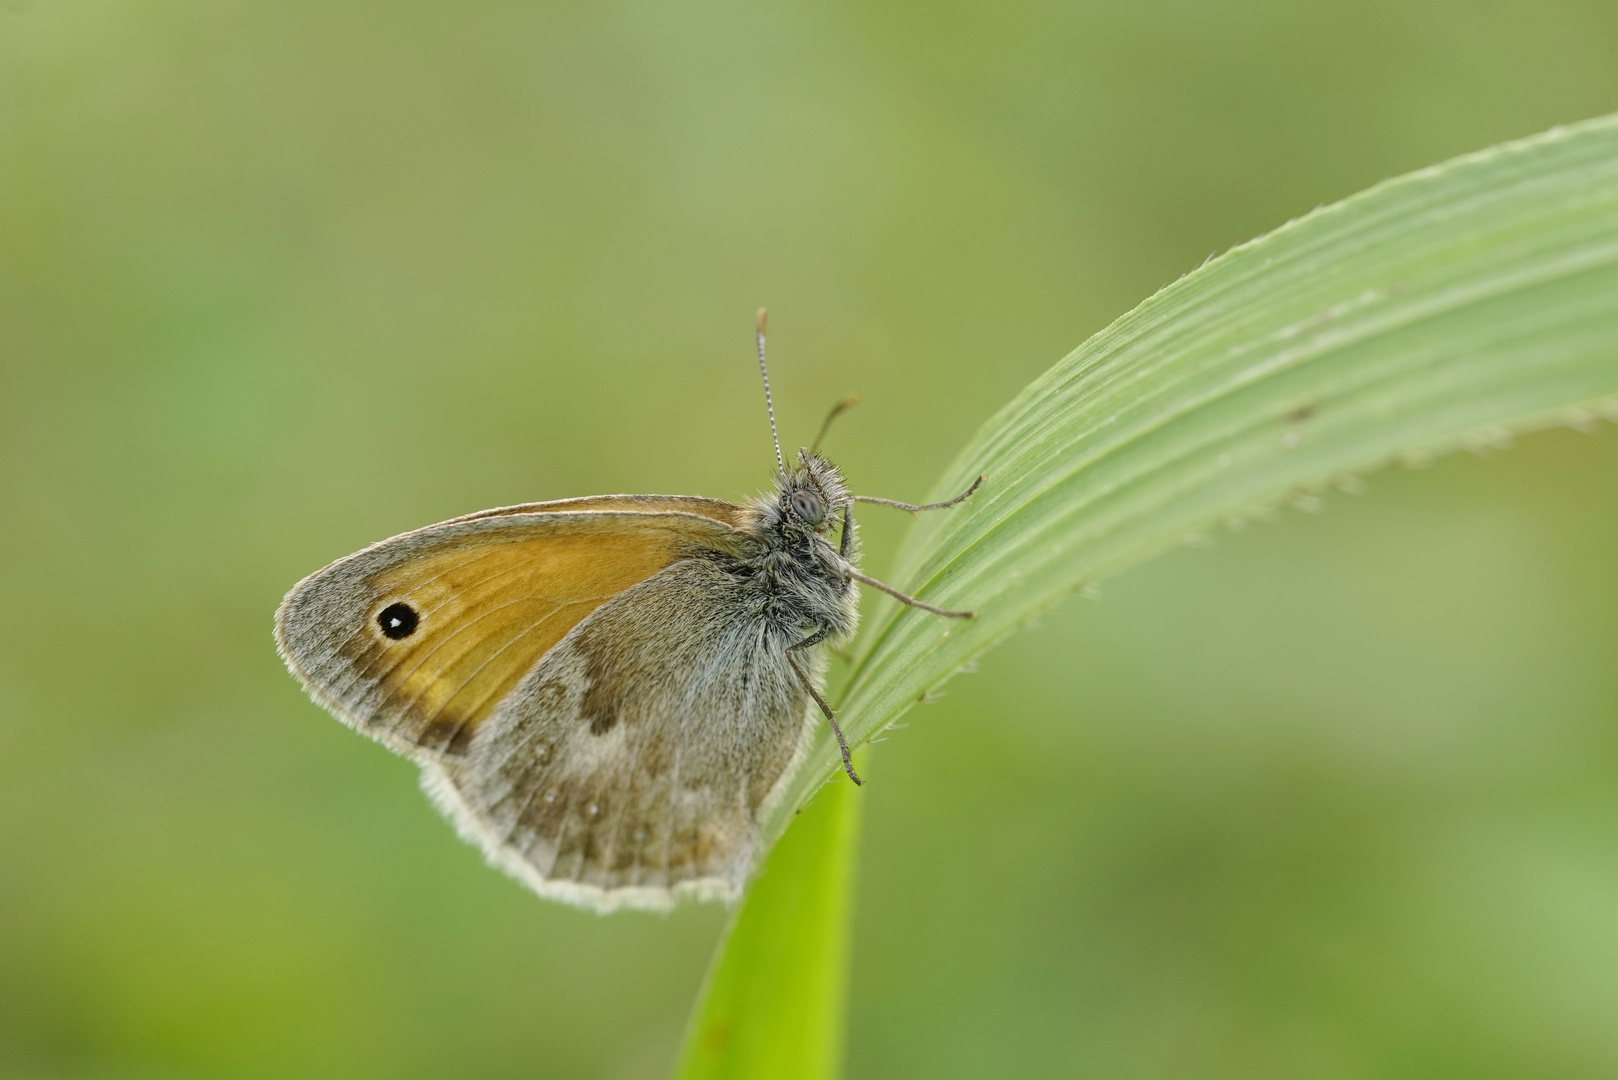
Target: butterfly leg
[(912, 508), (908, 599), (831, 717)]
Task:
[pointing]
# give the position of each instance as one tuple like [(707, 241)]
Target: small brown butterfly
[(603, 693)]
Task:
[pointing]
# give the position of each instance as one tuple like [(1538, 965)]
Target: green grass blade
[(1446, 308), (773, 1004)]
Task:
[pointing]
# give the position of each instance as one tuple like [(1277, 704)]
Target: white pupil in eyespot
[(398, 621), (807, 505)]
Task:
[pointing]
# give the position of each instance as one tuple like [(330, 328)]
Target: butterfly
[(604, 693)]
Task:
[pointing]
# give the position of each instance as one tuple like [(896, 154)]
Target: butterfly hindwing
[(632, 761)]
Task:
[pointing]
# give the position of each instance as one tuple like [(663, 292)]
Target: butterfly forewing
[(417, 639)]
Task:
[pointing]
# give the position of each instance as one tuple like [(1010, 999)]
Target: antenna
[(836, 410), (763, 317)]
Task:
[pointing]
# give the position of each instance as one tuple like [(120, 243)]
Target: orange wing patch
[(487, 596), (487, 614)]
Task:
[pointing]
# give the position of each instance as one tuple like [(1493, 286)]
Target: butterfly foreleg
[(913, 508)]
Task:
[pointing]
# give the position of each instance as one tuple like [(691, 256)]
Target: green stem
[(773, 1004)]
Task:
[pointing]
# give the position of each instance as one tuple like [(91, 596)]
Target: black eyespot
[(807, 505), (398, 621)]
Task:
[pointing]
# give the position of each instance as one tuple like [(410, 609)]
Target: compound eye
[(807, 505)]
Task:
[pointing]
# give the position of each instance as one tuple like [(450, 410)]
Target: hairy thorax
[(804, 579)]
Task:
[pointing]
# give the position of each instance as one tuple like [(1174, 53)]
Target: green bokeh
[(1336, 798)]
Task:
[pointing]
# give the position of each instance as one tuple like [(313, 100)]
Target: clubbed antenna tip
[(837, 410)]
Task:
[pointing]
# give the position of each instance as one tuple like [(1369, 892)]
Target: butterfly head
[(810, 494)]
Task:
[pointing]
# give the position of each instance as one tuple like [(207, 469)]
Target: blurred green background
[(1336, 798)]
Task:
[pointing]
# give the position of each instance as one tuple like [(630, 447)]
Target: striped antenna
[(763, 317)]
